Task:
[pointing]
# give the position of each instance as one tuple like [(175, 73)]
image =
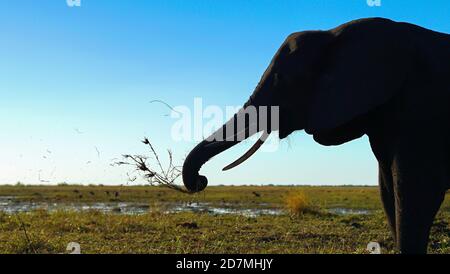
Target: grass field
[(314, 231)]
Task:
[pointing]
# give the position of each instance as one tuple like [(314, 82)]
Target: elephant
[(371, 77)]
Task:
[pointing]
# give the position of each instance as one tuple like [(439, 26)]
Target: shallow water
[(207, 208), (11, 206), (349, 211)]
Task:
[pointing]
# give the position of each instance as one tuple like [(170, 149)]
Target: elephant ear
[(360, 74)]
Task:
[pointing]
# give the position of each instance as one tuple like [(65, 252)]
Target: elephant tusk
[(249, 153)]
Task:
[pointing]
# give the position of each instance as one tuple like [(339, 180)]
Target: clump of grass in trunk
[(298, 203), (166, 177)]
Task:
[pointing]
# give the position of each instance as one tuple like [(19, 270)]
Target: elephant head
[(319, 81)]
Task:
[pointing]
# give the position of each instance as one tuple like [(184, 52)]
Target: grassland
[(317, 231), (249, 196)]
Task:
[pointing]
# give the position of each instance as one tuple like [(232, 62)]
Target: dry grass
[(153, 171), (297, 203)]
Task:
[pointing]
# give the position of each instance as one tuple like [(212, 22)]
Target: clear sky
[(74, 80)]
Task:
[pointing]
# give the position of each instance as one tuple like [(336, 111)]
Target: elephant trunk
[(204, 151), (196, 159), (237, 129)]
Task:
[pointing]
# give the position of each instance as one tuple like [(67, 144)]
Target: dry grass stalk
[(166, 177), (27, 238)]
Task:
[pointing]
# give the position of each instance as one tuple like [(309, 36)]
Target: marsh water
[(10, 205)]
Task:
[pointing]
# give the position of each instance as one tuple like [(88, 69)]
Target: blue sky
[(73, 80)]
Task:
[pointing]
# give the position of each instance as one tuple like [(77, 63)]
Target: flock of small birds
[(48, 154), (92, 193)]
